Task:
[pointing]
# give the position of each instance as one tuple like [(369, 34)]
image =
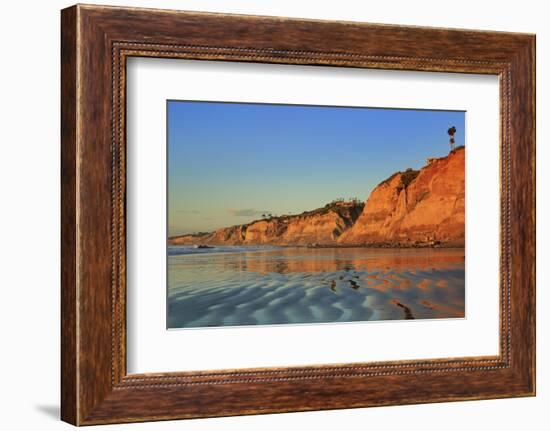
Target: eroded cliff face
[(320, 226), (425, 206), (411, 207)]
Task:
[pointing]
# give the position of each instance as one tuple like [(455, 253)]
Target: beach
[(260, 285)]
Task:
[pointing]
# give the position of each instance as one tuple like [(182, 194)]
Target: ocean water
[(234, 286)]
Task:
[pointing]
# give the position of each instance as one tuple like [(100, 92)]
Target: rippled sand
[(301, 285)]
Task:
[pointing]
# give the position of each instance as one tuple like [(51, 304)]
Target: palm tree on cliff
[(451, 132)]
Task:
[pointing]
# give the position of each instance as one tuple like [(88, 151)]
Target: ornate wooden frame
[(95, 42)]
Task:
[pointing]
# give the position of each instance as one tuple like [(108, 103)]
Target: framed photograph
[(264, 215)]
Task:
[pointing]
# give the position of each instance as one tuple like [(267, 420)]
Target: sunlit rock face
[(415, 206), (409, 208), (320, 226)]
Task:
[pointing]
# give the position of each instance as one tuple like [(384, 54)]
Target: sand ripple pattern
[(301, 285)]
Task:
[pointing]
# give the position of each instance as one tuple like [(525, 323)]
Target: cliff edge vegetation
[(423, 207)]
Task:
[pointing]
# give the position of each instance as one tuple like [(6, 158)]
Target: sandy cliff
[(415, 206), (409, 208), (320, 226)]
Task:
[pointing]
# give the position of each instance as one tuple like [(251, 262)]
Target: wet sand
[(260, 286)]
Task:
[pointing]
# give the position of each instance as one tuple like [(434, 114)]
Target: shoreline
[(391, 245), (338, 246)]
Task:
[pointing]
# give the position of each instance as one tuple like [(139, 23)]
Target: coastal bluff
[(320, 226), (410, 208), (425, 206)]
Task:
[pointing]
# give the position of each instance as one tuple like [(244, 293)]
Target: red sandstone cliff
[(415, 206), (411, 207)]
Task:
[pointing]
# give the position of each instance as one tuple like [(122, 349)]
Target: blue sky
[(230, 162)]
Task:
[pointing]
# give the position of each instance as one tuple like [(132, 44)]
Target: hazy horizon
[(228, 163)]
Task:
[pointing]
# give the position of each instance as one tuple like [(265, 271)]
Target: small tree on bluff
[(451, 132)]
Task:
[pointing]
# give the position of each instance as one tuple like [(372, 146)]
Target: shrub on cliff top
[(408, 176)]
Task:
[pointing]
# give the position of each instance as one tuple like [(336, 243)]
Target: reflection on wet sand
[(301, 285)]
